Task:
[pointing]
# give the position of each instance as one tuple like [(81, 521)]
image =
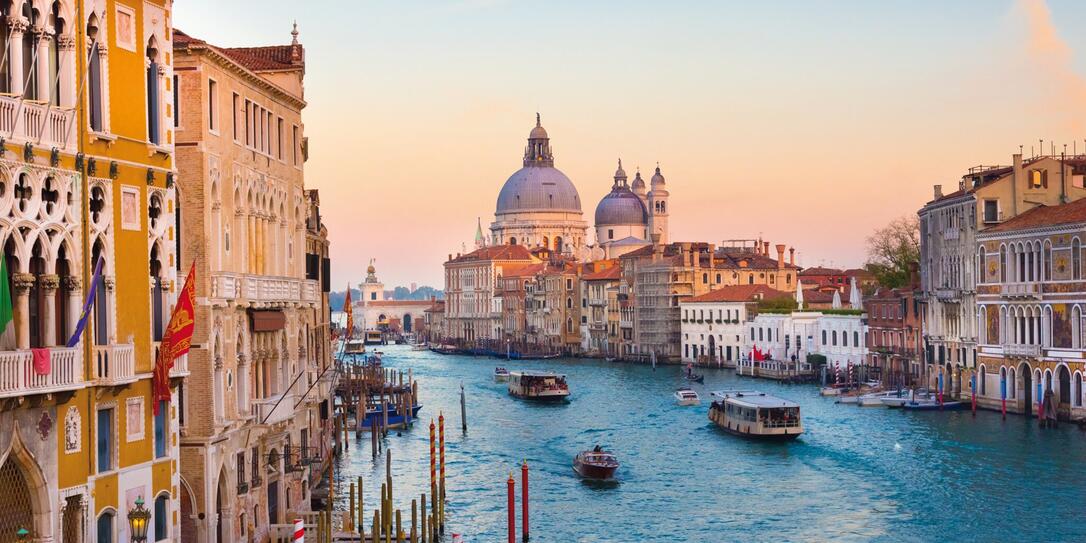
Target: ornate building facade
[(260, 361), (89, 166)]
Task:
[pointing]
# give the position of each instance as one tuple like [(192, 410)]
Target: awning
[(267, 320)]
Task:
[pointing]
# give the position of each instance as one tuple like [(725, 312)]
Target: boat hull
[(751, 431), (542, 397), (934, 406), (395, 418)]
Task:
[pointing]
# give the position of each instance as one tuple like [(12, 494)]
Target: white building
[(712, 324), (836, 334)]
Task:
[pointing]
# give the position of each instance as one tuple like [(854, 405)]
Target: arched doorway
[(712, 346), (407, 323), (1064, 377), (1026, 389), (24, 503), (188, 516), (221, 520)]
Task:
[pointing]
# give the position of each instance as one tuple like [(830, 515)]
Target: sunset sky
[(806, 123)]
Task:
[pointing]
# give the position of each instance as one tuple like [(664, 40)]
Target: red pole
[(524, 499), (512, 512), (433, 467), (973, 387)]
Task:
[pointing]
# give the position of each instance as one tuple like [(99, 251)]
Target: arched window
[(718, 278), (106, 527), (512, 241), (162, 507), (704, 278), (981, 276), (1076, 391), (95, 82), (569, 326), (823, 337), (983, 381), (1002, 263), (844, 339), (1047, 259), (569, 303), (1012, 384), (153, 93), (855, 339), (833, 336), (54, 62)]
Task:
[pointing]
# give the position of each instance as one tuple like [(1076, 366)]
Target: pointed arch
[(25, 487)]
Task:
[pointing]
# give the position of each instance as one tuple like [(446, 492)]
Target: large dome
[(621, 207), (538, 188)]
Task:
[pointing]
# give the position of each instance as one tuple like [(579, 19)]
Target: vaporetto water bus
[(542, 386), (757, 415)]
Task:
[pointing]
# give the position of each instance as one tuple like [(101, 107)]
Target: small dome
[(621, 207), (638, 184), (620, 173), (538, 133), (371, 269), (657, 178), (538, 188)]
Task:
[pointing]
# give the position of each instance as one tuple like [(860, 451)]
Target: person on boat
[(597, 449)]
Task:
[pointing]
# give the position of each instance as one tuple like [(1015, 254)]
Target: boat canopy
[(754, 399)]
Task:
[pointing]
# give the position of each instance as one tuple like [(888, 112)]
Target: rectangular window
[(279, 138), (105, 440), (294, 145), (162, 421), (248, 123), (241, 469), (991, 211), (234, 105), (212, 105), (176, 103)]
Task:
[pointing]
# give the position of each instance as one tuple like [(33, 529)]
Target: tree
[(891, 249)]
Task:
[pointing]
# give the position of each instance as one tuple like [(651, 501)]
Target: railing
[(35, 122), (267, 412), (18, 377), (952, 233), (263, 288), (1020, 290), (180, 366), (1021, 350), (948, 294), (114, 364)]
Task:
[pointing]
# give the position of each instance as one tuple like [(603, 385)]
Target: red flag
[(177, 339), (349, 311), (758, 355)]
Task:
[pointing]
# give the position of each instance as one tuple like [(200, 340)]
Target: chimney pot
[(765, 248), (780, 256), (792, 256), (938, 191)]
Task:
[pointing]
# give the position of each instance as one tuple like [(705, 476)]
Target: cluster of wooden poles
[(365, 387)]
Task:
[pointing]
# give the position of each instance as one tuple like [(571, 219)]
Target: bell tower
[(658, 207)]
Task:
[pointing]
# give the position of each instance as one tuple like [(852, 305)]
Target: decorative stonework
[(71, 282), (49, 282), (73, 431), (45, 425), (133, 416), (22, 282)]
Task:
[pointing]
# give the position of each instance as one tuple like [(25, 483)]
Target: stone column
[(22, 282), (75, 300), (49, 284), (250, 244), (243, 384), (41, 65), (258, 357), (16, 28), (66, 70)]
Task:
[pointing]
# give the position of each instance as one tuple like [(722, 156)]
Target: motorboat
[(686, 396), (895, 402), (501, 375), (756, 415), (874, 399), (848, 398), (932, 404), (375, 337), (595, 464), (354, 346), (543, 386)]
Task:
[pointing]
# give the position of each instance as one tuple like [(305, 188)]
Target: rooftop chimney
[(765, 248), (780, 256), (792, 256), (938, 191), (1019, 177)]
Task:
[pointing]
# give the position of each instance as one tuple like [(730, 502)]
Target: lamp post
[(23, 534), (138, 519)]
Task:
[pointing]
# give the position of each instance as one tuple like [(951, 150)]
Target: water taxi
[(374, 337), (354, 346), (875, 399), (595, 464), (544, 386), (753, 414), (686, 396), (501, 375)]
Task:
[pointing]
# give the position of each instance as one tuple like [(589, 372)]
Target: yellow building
[(86, 120)]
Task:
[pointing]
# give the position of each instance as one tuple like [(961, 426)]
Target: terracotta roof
[(437, 307), (265, 58), (523, 270), (614, 272), (819, 270), (739, 293), (823, 296), (497, 252), (1070, 213)]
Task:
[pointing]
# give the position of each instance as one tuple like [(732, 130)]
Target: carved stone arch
[(60, 237), (19, 458), (21, 252)]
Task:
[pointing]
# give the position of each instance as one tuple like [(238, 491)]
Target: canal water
[(857, 474)]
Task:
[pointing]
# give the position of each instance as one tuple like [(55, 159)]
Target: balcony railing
[(19, 378), (36, 123), (263, 288), (948, 294), (114, 364), (267, 412), (1021, 350), (180, 366), (1020, 290)]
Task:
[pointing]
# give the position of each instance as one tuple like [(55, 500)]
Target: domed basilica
[(539, 207)]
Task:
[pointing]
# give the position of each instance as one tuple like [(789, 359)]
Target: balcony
[(18, 378), (267, 412), (1020, 290), (36, 123), (180, 366), (114, 364), (263, 289), (948, 294), (1022, 350), (952, 233)]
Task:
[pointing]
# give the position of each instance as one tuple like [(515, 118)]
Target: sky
[(804, 123)]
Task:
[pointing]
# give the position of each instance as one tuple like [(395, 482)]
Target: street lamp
[(23, 534), (138, 519)]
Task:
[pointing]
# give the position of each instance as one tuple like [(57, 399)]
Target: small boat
[(418, 347), (874, 399), (595, 464), (543, 386), (933, 405), (756, 415), (354, 346), (445, 349), (689, 375), (833, 390), (897, 402), (374, 337), (501, 375), (686, 396)]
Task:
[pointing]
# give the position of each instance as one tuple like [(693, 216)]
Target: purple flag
[(88, 304)]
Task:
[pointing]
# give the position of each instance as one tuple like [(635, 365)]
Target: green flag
[(7, 317)]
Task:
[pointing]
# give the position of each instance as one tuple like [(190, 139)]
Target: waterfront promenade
[(855, 475)]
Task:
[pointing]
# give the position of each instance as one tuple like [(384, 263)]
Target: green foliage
[(780, 303), (816, 360), (891, 249)]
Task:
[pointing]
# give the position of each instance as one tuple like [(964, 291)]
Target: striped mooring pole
[(299, 531)]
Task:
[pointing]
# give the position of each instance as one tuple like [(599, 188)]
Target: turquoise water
[(857, 474)]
